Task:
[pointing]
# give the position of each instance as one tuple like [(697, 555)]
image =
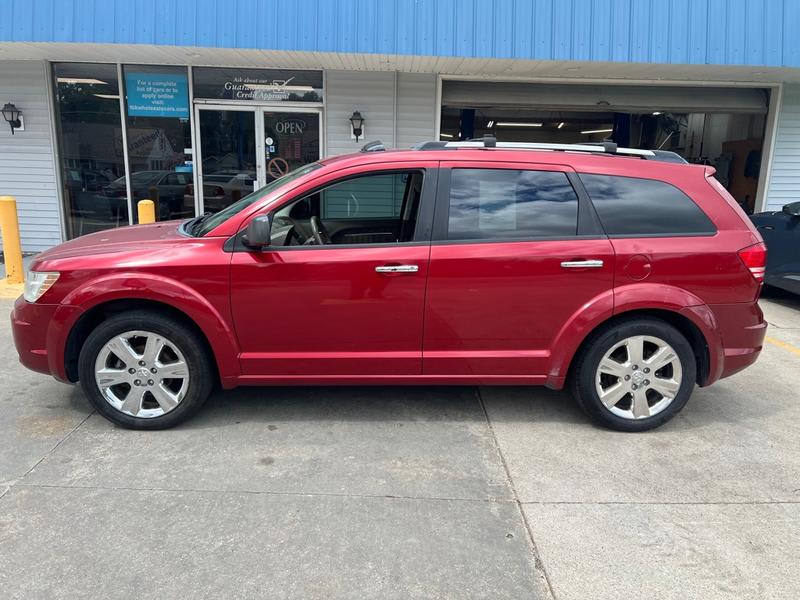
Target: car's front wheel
[(145, 370), (634, 375)]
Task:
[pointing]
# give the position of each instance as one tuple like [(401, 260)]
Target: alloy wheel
[(639, 377), (142, 374)]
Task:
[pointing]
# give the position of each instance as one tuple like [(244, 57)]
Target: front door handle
[(582, 264), (397, 269)]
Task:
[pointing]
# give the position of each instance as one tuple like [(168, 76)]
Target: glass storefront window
[(90, 144), (159, 136), (228, 145)]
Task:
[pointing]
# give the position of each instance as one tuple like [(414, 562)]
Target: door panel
[(315, 311), (363, 231), (495, 308), (326, 311)]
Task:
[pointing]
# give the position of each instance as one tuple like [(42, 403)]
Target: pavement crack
[(49, 452), (265, 493), (537, 559)]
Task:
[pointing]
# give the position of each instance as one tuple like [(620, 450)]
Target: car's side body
[(473, 312), (781, 233)]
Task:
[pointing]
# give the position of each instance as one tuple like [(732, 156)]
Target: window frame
[(588, 224), (422, 231), (671, 234)]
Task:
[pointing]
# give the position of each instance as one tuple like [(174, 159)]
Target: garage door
[(617, 98)]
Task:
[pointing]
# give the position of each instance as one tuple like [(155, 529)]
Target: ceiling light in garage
[(598, 131), (512, 124), (81, 80)]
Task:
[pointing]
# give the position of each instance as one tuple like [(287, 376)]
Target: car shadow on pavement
[(782, 297), (504, 404)]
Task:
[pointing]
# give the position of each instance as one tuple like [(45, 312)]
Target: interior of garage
[(722, 127)]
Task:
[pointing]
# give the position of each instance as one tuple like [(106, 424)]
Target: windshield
[(210, 221)]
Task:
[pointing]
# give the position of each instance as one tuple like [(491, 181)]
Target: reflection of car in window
[(222, 188), (166, 188)]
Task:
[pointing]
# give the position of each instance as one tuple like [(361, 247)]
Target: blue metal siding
[(724, 32)]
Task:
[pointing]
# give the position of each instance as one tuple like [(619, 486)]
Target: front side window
[(629, 206), (379, 208), (510, 203)]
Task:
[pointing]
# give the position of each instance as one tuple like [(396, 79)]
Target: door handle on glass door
[(397, 269), (582, 264)]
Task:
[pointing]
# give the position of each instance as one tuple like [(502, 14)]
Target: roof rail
[(376, 146), (491, 142), (429, 146)]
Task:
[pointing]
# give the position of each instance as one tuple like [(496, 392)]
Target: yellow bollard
[(12, 251), (147, 211)]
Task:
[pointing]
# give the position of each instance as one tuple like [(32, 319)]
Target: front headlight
[(37, 283)]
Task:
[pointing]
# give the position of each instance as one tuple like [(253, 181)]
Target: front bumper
[(40, 335)]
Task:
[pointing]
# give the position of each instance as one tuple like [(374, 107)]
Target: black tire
[(198, 361), (584, 371)]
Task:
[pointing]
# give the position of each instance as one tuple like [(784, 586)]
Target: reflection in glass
[(228, 149), (506, 203), (632, 206), (290, 141), (90, 144), (160, 169)]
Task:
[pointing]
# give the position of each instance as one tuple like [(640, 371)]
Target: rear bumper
[(40, 332), (742, 330)]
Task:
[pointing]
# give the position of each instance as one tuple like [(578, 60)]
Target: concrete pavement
[(405, 493)]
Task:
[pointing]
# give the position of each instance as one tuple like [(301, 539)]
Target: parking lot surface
[(405, 493)]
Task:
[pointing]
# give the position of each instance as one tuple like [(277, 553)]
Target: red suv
[(626, 279)]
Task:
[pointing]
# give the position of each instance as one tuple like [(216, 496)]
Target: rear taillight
[(755, 259)]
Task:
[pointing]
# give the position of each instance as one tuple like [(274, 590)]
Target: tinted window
[(378, 208), (372, 197), (500, 203), (631, 206)]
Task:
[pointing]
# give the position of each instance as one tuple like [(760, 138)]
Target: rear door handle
[(397, 269), (582, 264)]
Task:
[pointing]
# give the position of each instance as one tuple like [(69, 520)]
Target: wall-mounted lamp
[(357, 124), (13, 116)]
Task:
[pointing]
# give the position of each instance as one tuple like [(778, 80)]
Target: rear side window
[(508, 203), (630, 206)]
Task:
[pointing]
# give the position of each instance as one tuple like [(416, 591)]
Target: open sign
[(290, 127)]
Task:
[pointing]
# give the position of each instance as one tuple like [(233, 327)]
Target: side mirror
[(792, 209), (258, 233)]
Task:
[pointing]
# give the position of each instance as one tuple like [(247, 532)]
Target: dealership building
[(195, 104)]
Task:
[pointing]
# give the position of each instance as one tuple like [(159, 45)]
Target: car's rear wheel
[(144, 370), (634, 375)]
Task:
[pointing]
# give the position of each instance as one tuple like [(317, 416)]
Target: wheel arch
[(685, 325), (91, 318), (110, 294), (678, 307)]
